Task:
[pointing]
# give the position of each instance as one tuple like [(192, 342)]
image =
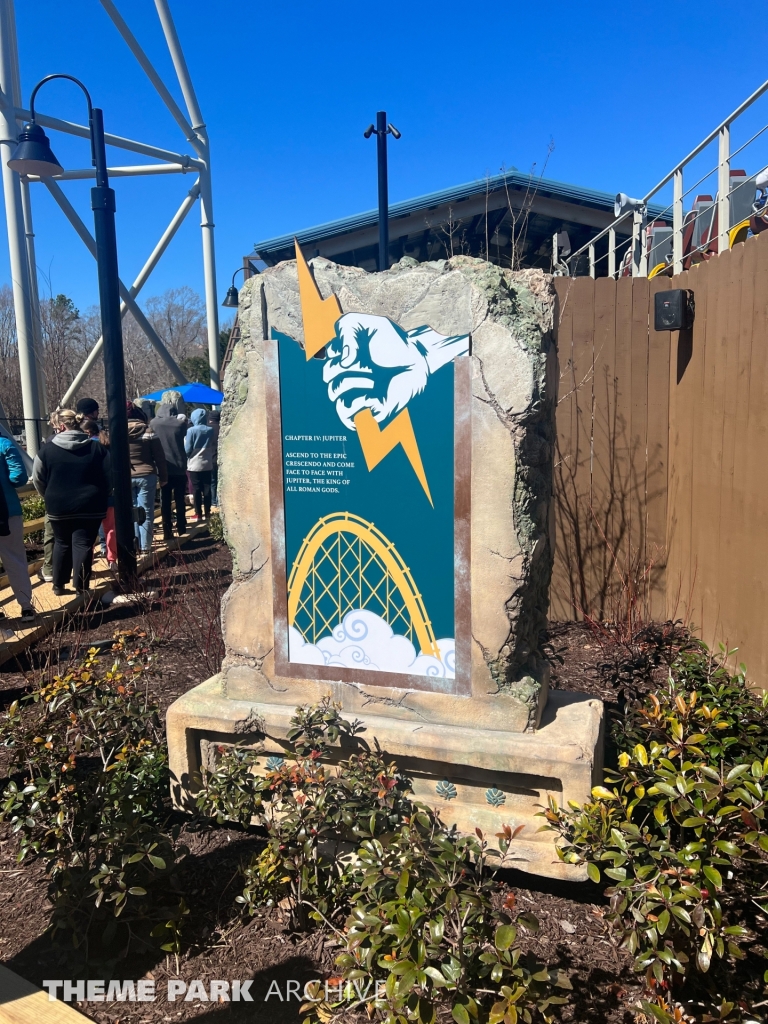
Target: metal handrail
[(639, 267), (710, 138), (611, 227)]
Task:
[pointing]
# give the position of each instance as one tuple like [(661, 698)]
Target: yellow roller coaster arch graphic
[(328, 579)]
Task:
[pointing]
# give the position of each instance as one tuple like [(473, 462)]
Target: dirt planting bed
[(182, 623)]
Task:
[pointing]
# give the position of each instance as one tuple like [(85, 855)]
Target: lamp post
[(33, 156), (381, 131), (232, 298)]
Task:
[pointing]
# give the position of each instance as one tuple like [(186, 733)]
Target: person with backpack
[(199, 446), (72, 473), (148, 468), (107, 535)]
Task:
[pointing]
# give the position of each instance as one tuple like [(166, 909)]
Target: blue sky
[(624, 91)]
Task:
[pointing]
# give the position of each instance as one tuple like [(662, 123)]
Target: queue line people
[(171, 430), (148, 468), (200, 448), (107, 534), (214, 421), (12, 550), (107, 530), (72, 473)]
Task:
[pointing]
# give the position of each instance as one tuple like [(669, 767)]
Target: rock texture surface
[(510, 317)]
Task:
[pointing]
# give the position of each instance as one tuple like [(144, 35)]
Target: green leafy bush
[(314, 813), (346, 841), (424, 933), (32, 507), (88, 784), (215, 526), (680, 828), (232, 789)]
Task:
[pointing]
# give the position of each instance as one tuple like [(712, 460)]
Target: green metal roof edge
[(542, 186)]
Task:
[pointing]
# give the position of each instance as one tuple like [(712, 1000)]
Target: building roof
[(513, 180)]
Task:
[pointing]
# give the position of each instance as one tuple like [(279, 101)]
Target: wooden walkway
[(24, 1003), (20, 1001), (16, 636)]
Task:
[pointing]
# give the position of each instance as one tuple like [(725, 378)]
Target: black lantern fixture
[(232, 299), (33, 155)]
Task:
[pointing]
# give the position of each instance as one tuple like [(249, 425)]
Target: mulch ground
[(220, 944)]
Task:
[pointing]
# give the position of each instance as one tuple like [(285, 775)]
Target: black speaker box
[(673, 310)]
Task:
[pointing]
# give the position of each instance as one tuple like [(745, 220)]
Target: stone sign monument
[(386, 485)]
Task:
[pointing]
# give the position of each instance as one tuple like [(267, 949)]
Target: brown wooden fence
[(661, 470)]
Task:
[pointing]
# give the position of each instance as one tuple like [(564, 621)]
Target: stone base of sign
[(477, 777)]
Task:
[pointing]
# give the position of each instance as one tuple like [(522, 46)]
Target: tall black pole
[(381, 153), (103, 206)]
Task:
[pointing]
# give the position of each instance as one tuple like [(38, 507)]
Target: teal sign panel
[(368, 466)]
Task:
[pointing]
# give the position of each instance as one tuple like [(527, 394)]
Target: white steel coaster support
[(206, 194), (209, 270), (72, 128), (195, 134), (138, 315), (132, 171), (16, 240), (29, 236), (34, 298), (180, 64), (152, 75), (723, 186), (134, 290)]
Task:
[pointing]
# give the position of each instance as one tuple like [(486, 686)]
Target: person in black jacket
[(171, 430), (71, 471)]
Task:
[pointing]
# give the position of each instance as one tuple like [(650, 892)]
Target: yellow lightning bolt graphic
[(320, 316), (377, 443)]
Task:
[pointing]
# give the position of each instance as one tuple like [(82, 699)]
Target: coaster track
[(345, 564)]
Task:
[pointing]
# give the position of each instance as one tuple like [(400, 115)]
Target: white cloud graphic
[(365, 640)]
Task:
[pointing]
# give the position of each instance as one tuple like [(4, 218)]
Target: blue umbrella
[(195, 394)]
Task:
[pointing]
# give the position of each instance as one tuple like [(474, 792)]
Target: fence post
[(724, 187), (639, 254), (611, 252), (591, 260), (677, 223)]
